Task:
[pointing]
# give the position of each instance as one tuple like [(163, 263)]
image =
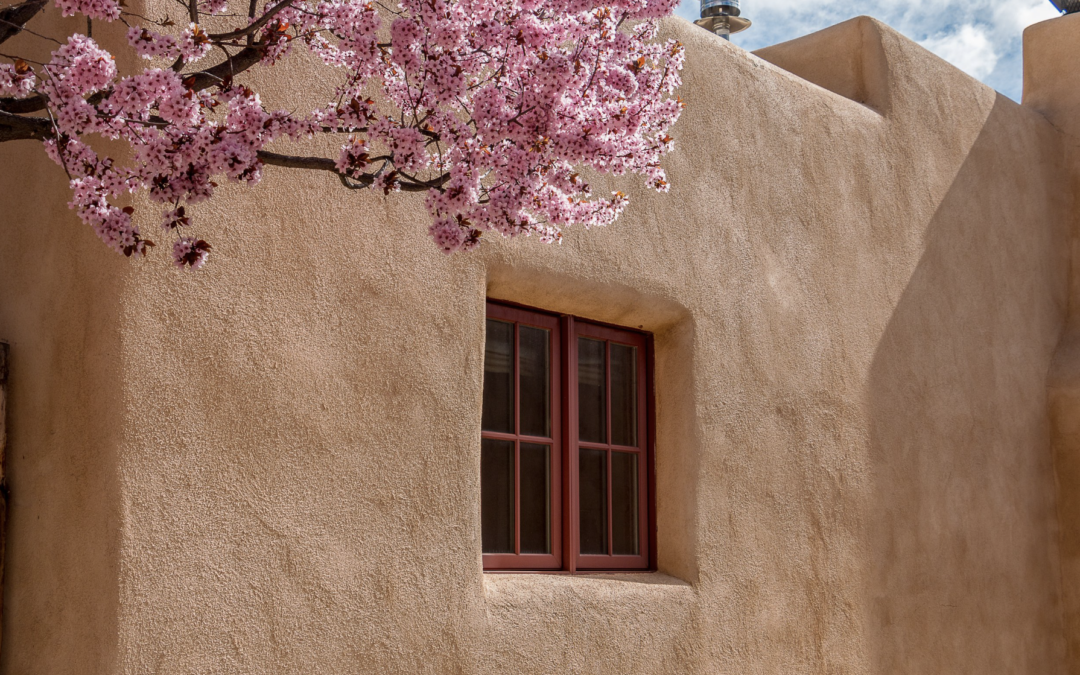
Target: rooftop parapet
[(1051, 78), (847, 59)]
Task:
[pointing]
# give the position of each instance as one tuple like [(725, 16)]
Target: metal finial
[(722, 17)]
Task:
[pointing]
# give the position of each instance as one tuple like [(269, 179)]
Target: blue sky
[(978, 36)]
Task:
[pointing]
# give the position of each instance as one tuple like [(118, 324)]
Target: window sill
[(514, 589)]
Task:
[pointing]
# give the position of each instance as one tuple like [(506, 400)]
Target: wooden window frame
[(565, 556), (534, 561)]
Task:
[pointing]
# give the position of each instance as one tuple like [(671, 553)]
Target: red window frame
[(536, 561), (565, 468)]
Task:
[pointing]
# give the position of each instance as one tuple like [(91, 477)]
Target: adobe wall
[(272, 466), (61, 311), (1052, 86)]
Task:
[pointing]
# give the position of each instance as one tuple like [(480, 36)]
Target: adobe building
[(858, 326)]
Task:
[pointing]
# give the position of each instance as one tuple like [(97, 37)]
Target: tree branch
[(22, 105), (324, 164), (254, 26), (227, 69), (14, 17), (18, 128), (291, 162), (230, 67)]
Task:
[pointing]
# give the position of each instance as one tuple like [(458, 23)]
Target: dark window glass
[(535, 498), (497, 495), (623, 394), (624, 503), (535, 387), (592, 391), (498, 413), (592, 477)]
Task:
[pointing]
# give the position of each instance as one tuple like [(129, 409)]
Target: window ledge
[(507, 588)]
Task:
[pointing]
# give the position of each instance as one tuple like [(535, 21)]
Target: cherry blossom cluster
[(16, 79), (192, 45), (493, 108)]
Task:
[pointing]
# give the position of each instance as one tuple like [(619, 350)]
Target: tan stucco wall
[(60, 310), (272, 466), (1052, 87)]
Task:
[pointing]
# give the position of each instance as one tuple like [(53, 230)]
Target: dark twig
[(253, 6)]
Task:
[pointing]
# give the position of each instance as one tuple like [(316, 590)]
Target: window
[(565, 455)]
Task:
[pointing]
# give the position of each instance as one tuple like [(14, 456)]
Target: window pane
[(592, 477), (497, 495), (535, 477), (535, 356), (623, 394), (592, 397), (498, 414), (624, 502)]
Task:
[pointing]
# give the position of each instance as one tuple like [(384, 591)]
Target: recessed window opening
[(566, 459)]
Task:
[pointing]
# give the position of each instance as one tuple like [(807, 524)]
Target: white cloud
[(967, 47), (1012, 17), (980, 36)]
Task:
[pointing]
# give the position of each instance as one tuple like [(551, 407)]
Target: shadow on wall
[(61, 291), (963, 571)]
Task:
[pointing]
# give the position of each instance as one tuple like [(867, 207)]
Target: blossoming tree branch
[(490, 108)]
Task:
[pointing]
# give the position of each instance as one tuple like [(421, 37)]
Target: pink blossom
[(175, 219), (354, 158), (495, 110), (108, 10), (16, 80), (149, 44), (190, 252), (194, 44)]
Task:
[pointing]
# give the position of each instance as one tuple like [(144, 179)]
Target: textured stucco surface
[(272, 466), (1053, 88)]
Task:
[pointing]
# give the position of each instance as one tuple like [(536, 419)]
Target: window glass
[(497, 495), (535, 498), (592, 478), (535, 386), (498, 413), (624, 503), (624, 399), (592, 391)]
